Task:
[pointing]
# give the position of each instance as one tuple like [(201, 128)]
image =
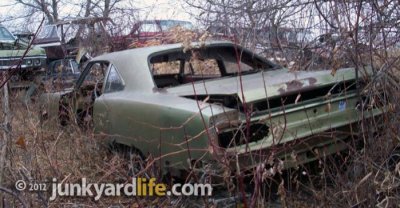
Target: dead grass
[(39, 153)]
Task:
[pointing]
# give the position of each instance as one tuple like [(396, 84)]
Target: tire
[(135, 161)]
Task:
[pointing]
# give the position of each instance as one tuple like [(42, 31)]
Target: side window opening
[(149, 28), (114, 81)]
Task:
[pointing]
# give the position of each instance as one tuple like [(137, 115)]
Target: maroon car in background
[(146, 30), (220, 32)]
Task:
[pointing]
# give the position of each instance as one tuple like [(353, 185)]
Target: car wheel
[(134, 160)]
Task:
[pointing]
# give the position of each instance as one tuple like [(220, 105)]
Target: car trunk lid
[(261, 85)]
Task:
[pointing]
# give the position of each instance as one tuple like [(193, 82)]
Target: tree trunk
[(6, 136)]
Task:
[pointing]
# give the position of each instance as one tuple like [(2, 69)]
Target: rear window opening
[(175, 68)]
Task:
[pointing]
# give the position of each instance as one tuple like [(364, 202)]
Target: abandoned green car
[(213, 103), (13, 50)]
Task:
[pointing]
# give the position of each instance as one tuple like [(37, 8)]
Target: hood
[(9, 52), (258, 85)]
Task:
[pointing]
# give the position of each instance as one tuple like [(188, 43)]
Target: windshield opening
[(168, 24)]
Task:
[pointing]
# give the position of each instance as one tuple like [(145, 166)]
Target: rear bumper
[(302, 134), (297, 152)]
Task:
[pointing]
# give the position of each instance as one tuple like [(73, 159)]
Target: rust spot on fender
[(298, 85), (294, 85), (281, 90), (312, 80)]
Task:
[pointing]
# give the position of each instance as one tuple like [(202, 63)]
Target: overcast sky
[(166, 9)]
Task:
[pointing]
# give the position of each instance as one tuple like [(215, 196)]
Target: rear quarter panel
[(156, 124)]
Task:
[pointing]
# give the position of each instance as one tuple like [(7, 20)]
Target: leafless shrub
[(354, 34), (343, 34)]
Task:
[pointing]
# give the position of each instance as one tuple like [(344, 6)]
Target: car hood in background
[(35, 51)]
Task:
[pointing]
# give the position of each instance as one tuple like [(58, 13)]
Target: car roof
[(83, 20), (146, 51)]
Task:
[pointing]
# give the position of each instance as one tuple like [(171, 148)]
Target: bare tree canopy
[(50, 8)]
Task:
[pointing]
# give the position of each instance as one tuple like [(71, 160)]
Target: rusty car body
[(146, 31), (215, 100), (73, 38)]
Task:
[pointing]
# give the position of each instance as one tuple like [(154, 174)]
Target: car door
[(88, 90), (103, 104)]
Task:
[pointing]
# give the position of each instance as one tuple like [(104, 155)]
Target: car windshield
[(166, 25), (48, 32), (5, 35), (64, 66)]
